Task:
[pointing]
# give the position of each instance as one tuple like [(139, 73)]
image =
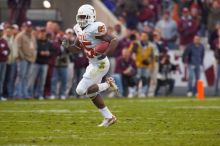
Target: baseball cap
[(27, 23), (15, 26), (69, 30)]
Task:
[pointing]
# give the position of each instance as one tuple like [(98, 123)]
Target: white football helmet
[(86, 15)]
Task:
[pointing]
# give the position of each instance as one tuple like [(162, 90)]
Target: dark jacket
[(4, 50), (194, 54), (43, 45)]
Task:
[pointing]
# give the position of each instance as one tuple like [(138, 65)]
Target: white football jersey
[(88, 40)]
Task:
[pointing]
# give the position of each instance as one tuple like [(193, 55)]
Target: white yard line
[(170, 100), (197, 107), (36, 111)]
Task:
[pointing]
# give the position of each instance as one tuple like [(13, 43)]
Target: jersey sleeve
[(100, 29), (76, 29)]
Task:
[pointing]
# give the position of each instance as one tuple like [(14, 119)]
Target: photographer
[(145, 58), (164, 78)]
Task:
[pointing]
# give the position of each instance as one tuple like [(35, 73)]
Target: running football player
[(90, 34)]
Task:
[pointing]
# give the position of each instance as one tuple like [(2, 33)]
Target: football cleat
[(112, 84), (108, 121)]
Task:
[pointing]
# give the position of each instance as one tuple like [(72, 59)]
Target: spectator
[(124, 42), (168, 29), (164, 78), (18, 9), (38, 71), (217, 57), (145, 61), (80, 63), (8, 36), (214, 15), (131, 15), (4, 52), (214, 36), (26, 45), (70, 71), (147, 12), (187, 28), (51, 63), (193, 57), (11, 67), (126, 69), (60, 74)]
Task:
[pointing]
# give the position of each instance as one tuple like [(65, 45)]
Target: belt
[(102, 56)]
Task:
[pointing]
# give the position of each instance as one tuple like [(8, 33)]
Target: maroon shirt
[(187, 28), (122, 65), (125, 42), (3, 49)]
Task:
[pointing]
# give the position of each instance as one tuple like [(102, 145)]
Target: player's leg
[(86, 87)]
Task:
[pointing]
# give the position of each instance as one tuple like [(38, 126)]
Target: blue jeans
[(59, 74), (217, 80), (38, 74), (194, 76), (143, 74), (11, 79), (21, 84), (2, 77)]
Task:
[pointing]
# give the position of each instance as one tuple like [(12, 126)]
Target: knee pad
[(80, 91)]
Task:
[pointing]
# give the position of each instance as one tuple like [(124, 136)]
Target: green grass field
[(147, 122)]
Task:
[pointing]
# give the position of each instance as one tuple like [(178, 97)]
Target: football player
[(90, 34)]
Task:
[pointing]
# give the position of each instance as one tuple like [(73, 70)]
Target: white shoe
[(142, 95), (3, 99), (52, 97), (130, 95), (41, 98), (189, 94), (63, 97), (112, 84), (108, 121)]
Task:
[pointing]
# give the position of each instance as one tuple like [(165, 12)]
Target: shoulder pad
[(99, 29)]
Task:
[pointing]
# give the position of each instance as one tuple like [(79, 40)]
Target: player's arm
[(113, 42)]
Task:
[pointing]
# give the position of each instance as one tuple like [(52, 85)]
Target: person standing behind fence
[(26, 45), (193, 57)]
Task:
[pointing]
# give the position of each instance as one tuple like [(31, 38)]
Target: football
[(102, 47)]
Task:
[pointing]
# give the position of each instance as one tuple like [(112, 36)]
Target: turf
[(153, 122)]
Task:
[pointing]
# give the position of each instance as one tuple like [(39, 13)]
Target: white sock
[(106, 112), (103, 86)]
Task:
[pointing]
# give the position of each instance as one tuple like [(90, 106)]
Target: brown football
[(102, 47)]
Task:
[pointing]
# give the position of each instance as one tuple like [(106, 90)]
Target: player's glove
[(65, 43)]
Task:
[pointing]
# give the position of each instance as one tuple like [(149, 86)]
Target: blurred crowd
[(155, 28), (34, 65)]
